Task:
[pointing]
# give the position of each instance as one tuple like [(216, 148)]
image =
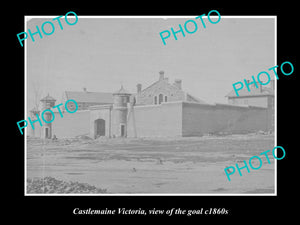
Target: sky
[(101, 54)]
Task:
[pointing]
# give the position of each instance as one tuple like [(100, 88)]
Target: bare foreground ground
[(193, 165)]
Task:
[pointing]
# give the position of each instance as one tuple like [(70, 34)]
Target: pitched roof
[(253, 92), (189, 96), (90, 97), (195, 99)]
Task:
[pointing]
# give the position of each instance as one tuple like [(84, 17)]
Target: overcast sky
[(103, 53)]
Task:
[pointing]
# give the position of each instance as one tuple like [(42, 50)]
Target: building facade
[(160, 110), (259, 96), (163, 91)]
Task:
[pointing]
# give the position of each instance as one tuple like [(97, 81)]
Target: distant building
[(261, 96), (46, 130), (155, 94), (162, 91)]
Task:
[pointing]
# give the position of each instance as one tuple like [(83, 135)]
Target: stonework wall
[(146, 97), (201, 119), (163, 120), (72, 124), (36, 132)]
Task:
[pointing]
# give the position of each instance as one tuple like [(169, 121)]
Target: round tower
[(120, 112), (47, 103), (33, 115)]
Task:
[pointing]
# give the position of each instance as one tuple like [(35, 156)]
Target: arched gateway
[(99, 127)]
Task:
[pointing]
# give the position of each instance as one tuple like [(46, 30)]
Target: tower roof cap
[(48, 98), (121, 91)]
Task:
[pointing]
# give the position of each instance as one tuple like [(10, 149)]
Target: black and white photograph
[(169, 106), (151, 118)]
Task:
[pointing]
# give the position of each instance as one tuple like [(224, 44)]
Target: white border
[(27, 18), (25, 108)]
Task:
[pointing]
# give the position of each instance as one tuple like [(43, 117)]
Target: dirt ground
[(193, 165)]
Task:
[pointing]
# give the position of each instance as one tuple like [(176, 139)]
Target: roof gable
[(164, 84), (191, 98), (121, 91), (161, 84), (48, 98)]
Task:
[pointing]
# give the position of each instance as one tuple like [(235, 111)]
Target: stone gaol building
[(160, 110)]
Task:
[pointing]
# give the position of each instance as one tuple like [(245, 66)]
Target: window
[(166, 98), (47, 132), (155, 100), (160, 98)]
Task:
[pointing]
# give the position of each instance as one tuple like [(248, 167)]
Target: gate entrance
[(122, 130), (47, 135), (99, 126)]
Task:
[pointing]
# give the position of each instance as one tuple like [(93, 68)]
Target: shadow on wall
[(200, 119)]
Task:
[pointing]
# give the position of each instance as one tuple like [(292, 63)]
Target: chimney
[(253, 84), (178, 83), (161, 75), (138, 88)]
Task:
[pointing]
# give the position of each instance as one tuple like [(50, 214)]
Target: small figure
[(159, 161)]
